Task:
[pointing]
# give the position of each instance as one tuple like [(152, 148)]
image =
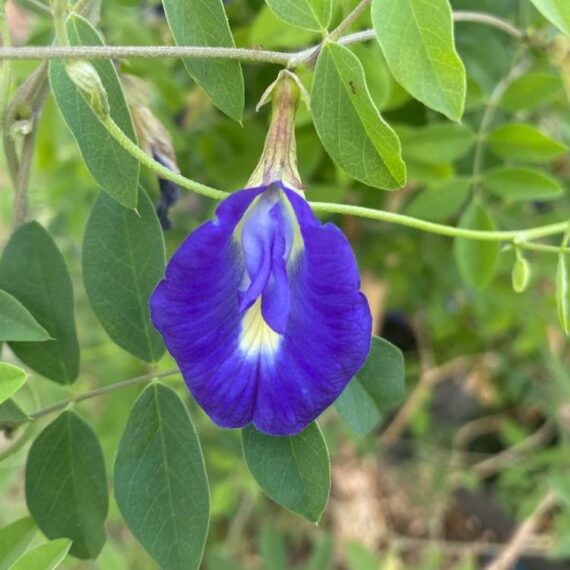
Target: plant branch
[(489, 20), (61, 405), (349, 20)]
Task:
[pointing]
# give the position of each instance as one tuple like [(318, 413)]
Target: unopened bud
[(520, 274), (87, 80)]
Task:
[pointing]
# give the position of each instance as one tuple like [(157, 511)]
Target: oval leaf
[(314, 15), (521, 184), (293, 470), (33, 270), (11, 416), (161, 485), (531, 90), (377, 387), (476, 259), (563, 292), (556, 11), (14, 539), (66, 484), (349, 124), (12, 379), (17, 323), (440, 200), (524, 142), (44, 557), (112, 167), (204, 23), (123, 260), (437, 143), (417, 39)]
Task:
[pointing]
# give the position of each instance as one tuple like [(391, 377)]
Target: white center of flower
[(257, 337)]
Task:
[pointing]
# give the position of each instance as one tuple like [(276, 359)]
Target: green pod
[(520, 274)]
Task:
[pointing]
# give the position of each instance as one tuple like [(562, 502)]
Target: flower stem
[(61, 405)]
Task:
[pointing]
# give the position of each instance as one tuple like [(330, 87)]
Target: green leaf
[(440, 200), (521, 184), (123, 259), (293, 470), (476, 259), (112, 167), (11, 416), (66, 484), (524, 142), (531, 90), (12, 379), (377, 387), (556, 11), (33, 271), (437, 143), (563, 292), (417, 39), (14, 539), (349, 124), (161, 485), (314, 15), (44, 557), (17, 323), (204, 23)]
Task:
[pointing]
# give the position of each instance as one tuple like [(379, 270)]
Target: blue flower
[(262, 311)]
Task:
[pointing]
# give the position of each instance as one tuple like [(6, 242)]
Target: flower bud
[(87, 80), (520, 274)]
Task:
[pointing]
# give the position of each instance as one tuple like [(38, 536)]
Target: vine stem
[(289, 59), (61, 405), (521, 236)]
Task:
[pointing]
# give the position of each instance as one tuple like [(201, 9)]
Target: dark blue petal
[(277, 361)]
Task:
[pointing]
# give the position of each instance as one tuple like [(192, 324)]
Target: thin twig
[(61, 405), (349, 20), (516, 546), (489, 20)]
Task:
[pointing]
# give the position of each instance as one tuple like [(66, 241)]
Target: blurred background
[(483, 432)]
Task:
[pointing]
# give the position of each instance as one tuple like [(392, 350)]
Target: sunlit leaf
[(123, 259), (378, 387), (204, 23), (66, 484), (312, 15), (12, 378), (161, 485), (14, 539), (521, 184), (112, 167), (349, 124), (417, 39), (525, 143), (33, 271), (476, 259), (557, 11), (17, 323), (293, 470), (44, 557)]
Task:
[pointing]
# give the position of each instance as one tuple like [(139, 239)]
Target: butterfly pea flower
[(261, 306)]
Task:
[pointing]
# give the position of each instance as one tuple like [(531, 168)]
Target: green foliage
[(349, 125), (476, 260), (563, 292), (525, 143), (123, 260), (44, 557), (66, 485), (440, 200), (293, 470), (17, 323), (14, 539), (521, 184), (557, 11), (160, 480), (33, 271), (313, 15), (531, 90), (12, 378), (378, 387), (11, 415), (115, 170), (204, 23), (417, 40)]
